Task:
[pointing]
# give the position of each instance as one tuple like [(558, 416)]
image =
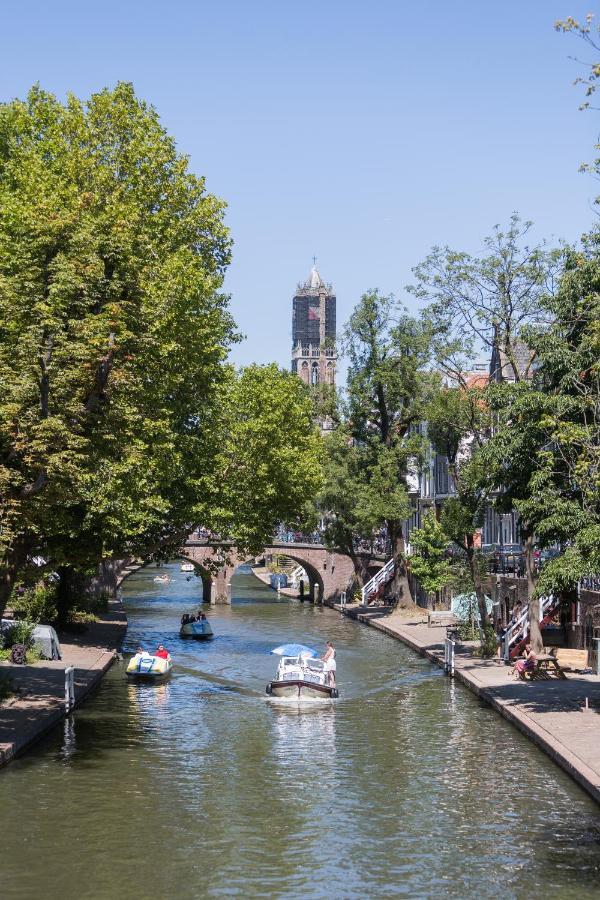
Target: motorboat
[(187, 567), (148, 667), (301, 678), (196, 628), (162, 579)]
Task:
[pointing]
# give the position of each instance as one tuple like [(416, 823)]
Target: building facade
[(314, 353)]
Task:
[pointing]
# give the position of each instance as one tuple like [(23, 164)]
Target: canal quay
[(408, 785)]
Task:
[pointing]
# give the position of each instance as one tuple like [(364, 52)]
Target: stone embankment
[(38, 702), (560, 716)]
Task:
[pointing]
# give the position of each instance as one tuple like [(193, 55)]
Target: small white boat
[(301, 678), (148, 667), (162, 579), (200, 630), (187, 567)]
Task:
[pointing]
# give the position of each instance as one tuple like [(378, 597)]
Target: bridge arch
[(315, 579)]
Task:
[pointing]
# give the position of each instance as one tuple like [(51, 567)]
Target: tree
[(268, 464), (544, 454), (457, 426), (565, 490), (386, 384), (344, 499), (479, 304), (509, 470), (113, 332), (590, 35), (429, 561)]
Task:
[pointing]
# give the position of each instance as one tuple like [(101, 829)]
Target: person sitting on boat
[(329, 660), (201, 617), (161, 652), (185, 619)]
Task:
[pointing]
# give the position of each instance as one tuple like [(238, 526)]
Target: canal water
[(201, 787)]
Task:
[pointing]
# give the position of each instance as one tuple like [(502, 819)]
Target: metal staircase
[(373, 587), (517, 634), (296, 575)]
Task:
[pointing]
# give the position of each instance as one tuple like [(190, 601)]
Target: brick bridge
[(329, 572)]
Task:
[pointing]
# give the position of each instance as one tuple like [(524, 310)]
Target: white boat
[(148, 667), (162, 579), (301, 678), (200, 630), (187, 567)]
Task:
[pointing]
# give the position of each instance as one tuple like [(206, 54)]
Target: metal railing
[(372, 586)]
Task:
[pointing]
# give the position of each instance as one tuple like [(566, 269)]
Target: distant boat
[(200, 630), (187, 567), (162, 579)]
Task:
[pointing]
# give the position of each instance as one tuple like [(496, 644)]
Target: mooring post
[(69, 688)]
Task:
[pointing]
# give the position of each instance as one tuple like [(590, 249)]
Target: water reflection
[(404, 786)]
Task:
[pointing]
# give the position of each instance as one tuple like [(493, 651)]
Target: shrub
[(36, 604), (19, 633), (489, 643)]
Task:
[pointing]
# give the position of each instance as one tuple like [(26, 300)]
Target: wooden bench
[(441, 617), (572, 660), (546, 665)]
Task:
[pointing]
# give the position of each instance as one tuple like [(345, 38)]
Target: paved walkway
[(38, 702), (552, 713)]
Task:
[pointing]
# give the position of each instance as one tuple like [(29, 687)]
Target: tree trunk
[(15, 559), (477, 582), (400, 586), (361, 571), (533, 602), (64, 595)]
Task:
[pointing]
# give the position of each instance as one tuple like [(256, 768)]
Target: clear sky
[(362, 131)]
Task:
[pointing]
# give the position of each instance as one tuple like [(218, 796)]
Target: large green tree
[(268, 461), (113, 331), (388, 350), (458, 425)]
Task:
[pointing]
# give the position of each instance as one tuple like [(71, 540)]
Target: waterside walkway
[(39, 699), (552, 713)]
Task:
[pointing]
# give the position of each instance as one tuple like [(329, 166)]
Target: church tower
[(314, 354)]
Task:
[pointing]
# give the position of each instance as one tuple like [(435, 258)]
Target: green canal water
[(200, 787)]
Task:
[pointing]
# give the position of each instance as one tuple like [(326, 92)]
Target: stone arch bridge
[(329, 572)]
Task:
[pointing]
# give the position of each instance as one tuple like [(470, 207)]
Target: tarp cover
[(46, 642), (464, 606), (45, 639)]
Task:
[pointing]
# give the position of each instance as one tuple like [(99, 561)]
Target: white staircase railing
[(378, 579), (296, 575), (518, 629)]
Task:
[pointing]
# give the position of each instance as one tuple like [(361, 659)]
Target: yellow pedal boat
[(144, 665)]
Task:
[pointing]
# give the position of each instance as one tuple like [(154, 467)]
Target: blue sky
[(362, 132)]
